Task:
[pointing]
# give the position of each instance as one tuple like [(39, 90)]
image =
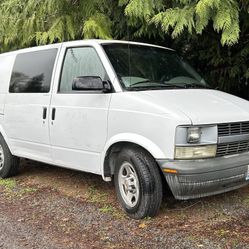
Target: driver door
[(78, 129)]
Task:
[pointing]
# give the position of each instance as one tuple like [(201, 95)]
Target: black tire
[(149, 178), (10, 164)]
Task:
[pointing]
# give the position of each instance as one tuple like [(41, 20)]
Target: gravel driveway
[(54, 208)]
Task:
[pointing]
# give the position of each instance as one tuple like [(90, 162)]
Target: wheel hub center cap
[(129, 185)]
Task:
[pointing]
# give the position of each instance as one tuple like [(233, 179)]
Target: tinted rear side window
[(32, 72)]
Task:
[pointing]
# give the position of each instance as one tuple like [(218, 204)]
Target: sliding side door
[(27, 104)]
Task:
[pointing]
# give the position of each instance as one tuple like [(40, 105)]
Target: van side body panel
[(26, 130)]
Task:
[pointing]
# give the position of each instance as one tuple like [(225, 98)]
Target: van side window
[(32, 72), (83, 61)]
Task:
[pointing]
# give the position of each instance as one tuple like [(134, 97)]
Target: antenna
[(129, 52)]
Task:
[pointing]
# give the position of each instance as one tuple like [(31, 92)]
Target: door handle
[(53, 113), (44, 113)]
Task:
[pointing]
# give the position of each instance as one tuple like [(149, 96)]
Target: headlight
[(193, 135), (195, 152), (196, 142)]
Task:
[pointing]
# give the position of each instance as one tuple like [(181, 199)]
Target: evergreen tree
[(212, 34), (32, 22)]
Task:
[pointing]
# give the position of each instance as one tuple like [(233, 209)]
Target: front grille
[(230, 129), (232, 148), (233, 129)]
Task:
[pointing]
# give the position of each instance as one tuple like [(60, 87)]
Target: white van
[(134, 112)]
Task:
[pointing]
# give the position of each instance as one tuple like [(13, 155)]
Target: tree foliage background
[(212, 34)]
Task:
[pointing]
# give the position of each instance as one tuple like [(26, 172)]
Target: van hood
[(202, 106)]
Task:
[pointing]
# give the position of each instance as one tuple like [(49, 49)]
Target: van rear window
[(32, 72)]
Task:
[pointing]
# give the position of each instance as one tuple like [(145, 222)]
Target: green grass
[(11, 188), (25, 191), (8, 184), (246, 201), (222, 233), (96, 196), (100, 197), (107, 209)]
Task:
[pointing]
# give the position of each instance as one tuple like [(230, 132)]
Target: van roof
[(81, 42)]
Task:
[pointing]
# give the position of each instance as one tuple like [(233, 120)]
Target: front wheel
[(138, 183)]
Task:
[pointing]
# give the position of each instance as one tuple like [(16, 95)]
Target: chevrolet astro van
[(132, 112)]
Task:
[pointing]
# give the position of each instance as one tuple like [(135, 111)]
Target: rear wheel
[(138, 183), (9, 164)]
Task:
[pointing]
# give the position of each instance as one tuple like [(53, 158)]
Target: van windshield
[(141, 67)]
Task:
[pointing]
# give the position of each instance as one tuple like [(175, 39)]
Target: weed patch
[(8, 184), (11, 188)]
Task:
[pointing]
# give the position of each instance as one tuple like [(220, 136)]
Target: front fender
[(144, 142)]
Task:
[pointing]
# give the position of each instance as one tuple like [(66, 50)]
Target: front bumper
[(199, 178)]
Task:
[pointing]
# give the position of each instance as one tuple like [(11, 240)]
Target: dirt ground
[(49, 207)]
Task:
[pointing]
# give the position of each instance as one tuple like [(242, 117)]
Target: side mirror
[(87, 83), (91, 83)]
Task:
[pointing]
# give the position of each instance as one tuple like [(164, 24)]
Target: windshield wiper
[(156, 85), (141, 82), (161, 85)]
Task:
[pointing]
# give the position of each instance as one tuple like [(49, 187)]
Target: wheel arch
[(114, 146)]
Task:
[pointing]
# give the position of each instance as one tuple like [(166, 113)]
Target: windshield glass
[(140, 67)]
